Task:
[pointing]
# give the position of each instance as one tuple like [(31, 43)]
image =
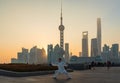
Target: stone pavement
[(99, 75)]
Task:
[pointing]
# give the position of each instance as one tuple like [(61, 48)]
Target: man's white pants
[(63, 72)]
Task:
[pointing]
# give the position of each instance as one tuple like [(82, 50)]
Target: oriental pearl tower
[(61, 28)]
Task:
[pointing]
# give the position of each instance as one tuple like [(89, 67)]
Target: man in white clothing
[(61, 69)]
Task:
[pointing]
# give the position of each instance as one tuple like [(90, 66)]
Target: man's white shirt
[(61, 68)]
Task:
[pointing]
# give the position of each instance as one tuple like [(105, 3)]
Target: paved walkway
[(99, 75)]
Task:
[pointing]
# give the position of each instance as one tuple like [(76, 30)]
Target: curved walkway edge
[(23, 74)]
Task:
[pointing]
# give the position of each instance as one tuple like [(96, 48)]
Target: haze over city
[(26, 23)]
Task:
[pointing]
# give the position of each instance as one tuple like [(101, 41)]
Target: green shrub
[(27, 67)]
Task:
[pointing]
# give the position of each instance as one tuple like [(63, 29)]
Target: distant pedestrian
[(61, 69), (92, 65), (108, 65)]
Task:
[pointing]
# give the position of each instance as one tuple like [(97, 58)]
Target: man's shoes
[(69, 78), (54, 78)]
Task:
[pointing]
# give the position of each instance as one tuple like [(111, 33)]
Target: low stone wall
[(26, 74)]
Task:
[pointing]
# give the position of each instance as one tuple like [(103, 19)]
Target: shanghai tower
[(99, 35)]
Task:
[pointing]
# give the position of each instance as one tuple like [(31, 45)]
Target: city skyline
[(30, 23)]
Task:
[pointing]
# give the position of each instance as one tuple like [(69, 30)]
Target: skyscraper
[(33, 55), (106, 48), (61, 28), (57, 53), (106, 54), (67, 52), (50, 53), (23, 56), (115, 50), (85, 44), (99, 35), (37, 56), (94, 49)]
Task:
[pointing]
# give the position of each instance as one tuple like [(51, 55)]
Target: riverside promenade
[(99, 75)]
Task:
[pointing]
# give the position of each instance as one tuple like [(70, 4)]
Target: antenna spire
[(61, 13)]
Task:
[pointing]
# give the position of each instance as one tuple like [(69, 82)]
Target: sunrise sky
[(26, 23)]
